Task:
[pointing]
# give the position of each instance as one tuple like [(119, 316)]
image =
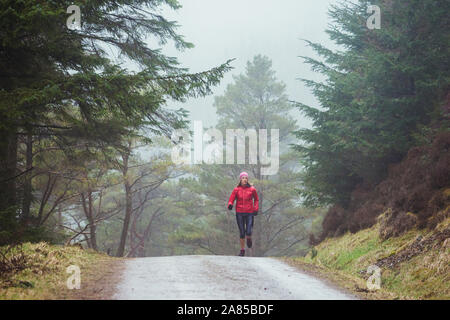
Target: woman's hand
[(255, 213), (230, 206)]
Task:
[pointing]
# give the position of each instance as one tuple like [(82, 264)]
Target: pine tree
[(59, 83), (381, 86), (255, 100)]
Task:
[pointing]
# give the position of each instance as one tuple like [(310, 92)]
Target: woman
[(244, 194)]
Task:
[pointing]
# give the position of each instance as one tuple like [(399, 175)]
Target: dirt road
[(219, 277)]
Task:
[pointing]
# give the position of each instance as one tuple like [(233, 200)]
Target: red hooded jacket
[(244, 196)]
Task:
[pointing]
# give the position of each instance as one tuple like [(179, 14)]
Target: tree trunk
[(128, 208), (92, 226), (93, 237), (27, 192), (126, 222), (141, 249), (59, 228), (8, 162), (88, 212)]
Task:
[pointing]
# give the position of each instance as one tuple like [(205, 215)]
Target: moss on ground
[(416, 274), (40, 272)]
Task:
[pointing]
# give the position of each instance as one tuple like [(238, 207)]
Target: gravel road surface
[(203, 277)]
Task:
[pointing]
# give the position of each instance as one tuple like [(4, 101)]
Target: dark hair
[(250, 184)]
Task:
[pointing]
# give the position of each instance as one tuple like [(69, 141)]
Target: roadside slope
[(415, 265), (38, 271)]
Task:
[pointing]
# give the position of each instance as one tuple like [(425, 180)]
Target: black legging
[(245, 224)]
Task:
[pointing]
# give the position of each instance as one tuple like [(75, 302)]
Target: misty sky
[(241, 29)]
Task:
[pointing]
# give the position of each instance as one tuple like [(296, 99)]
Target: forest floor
[(36, 271)]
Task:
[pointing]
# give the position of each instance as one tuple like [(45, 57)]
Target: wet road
[(203, 277)]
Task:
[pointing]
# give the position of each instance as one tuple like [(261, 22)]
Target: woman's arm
[(232, 197), (256, 199)]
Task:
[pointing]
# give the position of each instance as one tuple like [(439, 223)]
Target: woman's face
[(244, 180)]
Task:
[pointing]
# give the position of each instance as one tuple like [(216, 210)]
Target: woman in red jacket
[(247, 204)]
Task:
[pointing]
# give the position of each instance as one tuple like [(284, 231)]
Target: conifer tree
[(381, 87), (59, 83), (255, 100)]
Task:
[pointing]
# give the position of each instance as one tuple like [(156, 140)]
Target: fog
[(222, 30)]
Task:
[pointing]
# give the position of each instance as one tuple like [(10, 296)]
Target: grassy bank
[(415, 265), (38, 271)]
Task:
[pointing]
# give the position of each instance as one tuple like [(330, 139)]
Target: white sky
[(241, 29)]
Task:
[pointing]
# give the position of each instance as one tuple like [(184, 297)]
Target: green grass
[(425, 276), (45, 274)]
